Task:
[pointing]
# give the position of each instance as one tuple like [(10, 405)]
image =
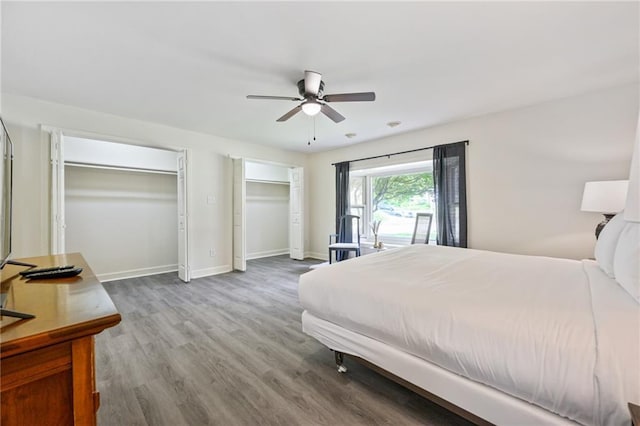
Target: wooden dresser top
[(65, 308)]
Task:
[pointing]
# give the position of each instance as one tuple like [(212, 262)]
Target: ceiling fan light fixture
[(314, 101), (311, 107)]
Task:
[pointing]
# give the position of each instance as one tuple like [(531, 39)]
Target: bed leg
[(339, 362)]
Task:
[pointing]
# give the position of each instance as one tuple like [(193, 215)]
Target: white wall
[(526, 170), (123, 222), (267, 219), (210, 173)]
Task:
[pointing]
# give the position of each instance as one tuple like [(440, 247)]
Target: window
[(357, 188), (393, 195)]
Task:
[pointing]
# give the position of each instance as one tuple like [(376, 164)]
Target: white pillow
[(626, 261), (607, 242)]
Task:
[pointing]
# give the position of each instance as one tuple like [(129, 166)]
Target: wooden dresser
[(47, 368)]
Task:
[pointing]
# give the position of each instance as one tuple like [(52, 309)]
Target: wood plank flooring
[(229, 350)]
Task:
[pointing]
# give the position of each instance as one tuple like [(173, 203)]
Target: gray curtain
[(342, 202), (450, 179)]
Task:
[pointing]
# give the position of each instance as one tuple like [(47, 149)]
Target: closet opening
[(122, 206), (268, 211)]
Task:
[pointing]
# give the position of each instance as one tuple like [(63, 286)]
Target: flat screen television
[(6, 202), (6, 184)]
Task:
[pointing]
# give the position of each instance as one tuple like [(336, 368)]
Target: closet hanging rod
[(274, 182), (119, 168), (398, 153)]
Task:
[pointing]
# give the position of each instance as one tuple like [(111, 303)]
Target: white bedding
[(557, 333)]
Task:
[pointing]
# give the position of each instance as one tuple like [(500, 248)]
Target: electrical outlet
[(212, 252)]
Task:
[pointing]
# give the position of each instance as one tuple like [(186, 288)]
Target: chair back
[(349, 229), (422, 228)]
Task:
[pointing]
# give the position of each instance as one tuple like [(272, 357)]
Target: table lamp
[(606, 197)]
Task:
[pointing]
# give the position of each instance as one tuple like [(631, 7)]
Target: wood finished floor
[(229, 350)]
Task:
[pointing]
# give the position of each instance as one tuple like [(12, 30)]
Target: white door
[(57, 193), (184, 272), (239, 215), (296, 213)]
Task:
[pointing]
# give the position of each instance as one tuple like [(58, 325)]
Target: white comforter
[(557, 333)]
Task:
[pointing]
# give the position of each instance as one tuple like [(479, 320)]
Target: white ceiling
[(190, 65)]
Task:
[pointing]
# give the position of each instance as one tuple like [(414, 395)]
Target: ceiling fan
[(311, 90)]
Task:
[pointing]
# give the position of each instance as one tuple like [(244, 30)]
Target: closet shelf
[(276, 182), (119, 168)]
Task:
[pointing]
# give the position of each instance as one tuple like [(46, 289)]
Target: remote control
[(60, 273), (49, 269)]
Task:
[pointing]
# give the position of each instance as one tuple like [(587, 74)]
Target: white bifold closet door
[(184, 273), (296, 213), (57, 193), (239, 215)]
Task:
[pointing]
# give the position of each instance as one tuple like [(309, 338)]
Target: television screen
[(6, 169)]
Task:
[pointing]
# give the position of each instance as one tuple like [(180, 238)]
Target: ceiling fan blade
[(332, 113), (290, 114), (350, 97), (277, 98), (312, 81)]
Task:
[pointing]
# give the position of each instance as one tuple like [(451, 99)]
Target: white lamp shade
[(632, 209), (311, 107), (604, 196)]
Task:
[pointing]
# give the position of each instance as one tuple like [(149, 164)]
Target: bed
[(504, 338)]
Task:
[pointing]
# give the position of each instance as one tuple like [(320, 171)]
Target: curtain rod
[(398, 153)]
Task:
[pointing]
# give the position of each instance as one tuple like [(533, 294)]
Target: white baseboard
[(316, 255), (207, 272), (133, 273), (267, 253)]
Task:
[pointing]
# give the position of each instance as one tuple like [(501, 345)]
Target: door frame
[(57, 223)]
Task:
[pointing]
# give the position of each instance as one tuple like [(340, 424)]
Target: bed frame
[(474, 401), (339, 357)]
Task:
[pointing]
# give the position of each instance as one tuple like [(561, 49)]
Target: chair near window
[(422, 229), (347, 239)]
